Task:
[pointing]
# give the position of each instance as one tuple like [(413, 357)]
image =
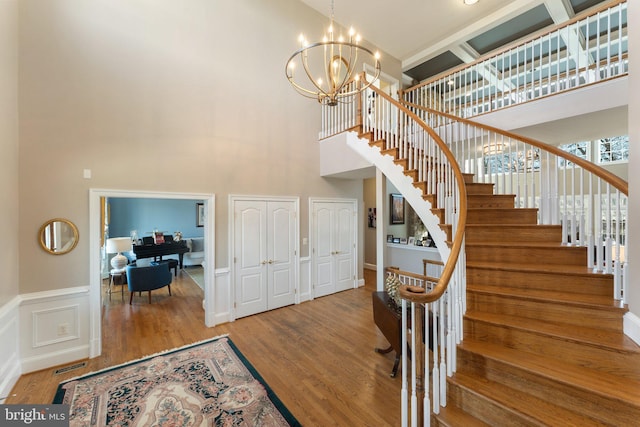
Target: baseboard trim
[(222, 317), (368, 266), (10, 375), (51, 359), (631, 324)]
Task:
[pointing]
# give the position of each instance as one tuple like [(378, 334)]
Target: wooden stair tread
[(537, 268), (578, 300), (521, 404), (497, 196), (599, 338), (523, 226), (523, 244), (592, 380), (452, 416), (490, 208)]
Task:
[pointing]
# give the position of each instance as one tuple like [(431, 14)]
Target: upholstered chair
[(149, 278)]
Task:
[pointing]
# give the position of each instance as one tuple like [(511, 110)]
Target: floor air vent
[(70, 368)]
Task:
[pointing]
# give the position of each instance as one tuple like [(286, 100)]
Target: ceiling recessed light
[(470, 1)]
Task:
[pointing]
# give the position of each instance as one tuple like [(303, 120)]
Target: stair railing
[(589, 202), (590, 48), (421, 154)]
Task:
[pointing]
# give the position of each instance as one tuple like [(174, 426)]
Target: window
[(516, 161), (579, 149), (614, 149)]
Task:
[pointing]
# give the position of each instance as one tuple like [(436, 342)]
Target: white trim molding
[(631, 325), (222, 295), (95, 278), (10, 369)]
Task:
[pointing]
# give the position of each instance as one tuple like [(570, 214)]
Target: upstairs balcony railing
[(588, 49)]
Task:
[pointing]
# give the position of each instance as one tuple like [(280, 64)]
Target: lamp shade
[(118, 245)]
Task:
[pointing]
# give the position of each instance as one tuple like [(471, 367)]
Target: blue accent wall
[(145, 215)]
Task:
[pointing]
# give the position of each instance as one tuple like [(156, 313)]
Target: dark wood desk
[(158, 251)]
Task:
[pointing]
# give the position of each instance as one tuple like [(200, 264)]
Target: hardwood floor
[(317, 356)]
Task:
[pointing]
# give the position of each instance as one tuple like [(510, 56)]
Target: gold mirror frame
[(58, 236)]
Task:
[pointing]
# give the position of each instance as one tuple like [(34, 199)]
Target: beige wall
[(172, 96), (9, 149)]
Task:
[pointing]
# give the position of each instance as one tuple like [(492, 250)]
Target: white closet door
[(344, 246), (264, 255), (323, 266), (250, 258), (281, 253), (334, 254)]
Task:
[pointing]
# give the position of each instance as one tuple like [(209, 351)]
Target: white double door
[(265, 236), (333, 246)]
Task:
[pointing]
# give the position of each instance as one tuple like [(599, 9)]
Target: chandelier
[(331, 66)]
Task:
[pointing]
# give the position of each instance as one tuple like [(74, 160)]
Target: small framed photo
[(158, 237), (403, 241), (389, 238), (199, 214), (397, 209), (396, 240), (412, 240)]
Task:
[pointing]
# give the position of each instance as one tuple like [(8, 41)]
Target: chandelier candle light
[(330, 66)]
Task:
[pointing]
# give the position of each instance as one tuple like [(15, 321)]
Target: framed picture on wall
[(371, 218), (199, 214), (397, 209)]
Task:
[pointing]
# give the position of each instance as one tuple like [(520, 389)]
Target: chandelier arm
[(365, 86), (328, 59), (350, 65), (305, 66)]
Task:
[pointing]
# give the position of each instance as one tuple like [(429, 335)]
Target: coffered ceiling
[(431, 36)]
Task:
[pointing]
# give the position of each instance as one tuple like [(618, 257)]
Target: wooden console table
[(389, 321)]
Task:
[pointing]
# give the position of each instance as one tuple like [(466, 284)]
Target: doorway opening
[(95, 259)]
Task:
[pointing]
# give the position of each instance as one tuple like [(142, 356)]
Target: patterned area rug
[(204, 384)]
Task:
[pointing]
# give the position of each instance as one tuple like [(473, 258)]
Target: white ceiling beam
[(490, 73), (561, 11), (504, 14)]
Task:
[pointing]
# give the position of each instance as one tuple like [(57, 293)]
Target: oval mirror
[(58, 236)]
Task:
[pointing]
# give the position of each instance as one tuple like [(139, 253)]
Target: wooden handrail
[(614, 180), (456, 246), (422, 277), (519, 42)]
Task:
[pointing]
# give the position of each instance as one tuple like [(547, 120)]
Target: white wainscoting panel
[(54, 327), (305, 279), (9, 350)]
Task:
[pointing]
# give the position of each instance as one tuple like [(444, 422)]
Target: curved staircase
[(543, 339)]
